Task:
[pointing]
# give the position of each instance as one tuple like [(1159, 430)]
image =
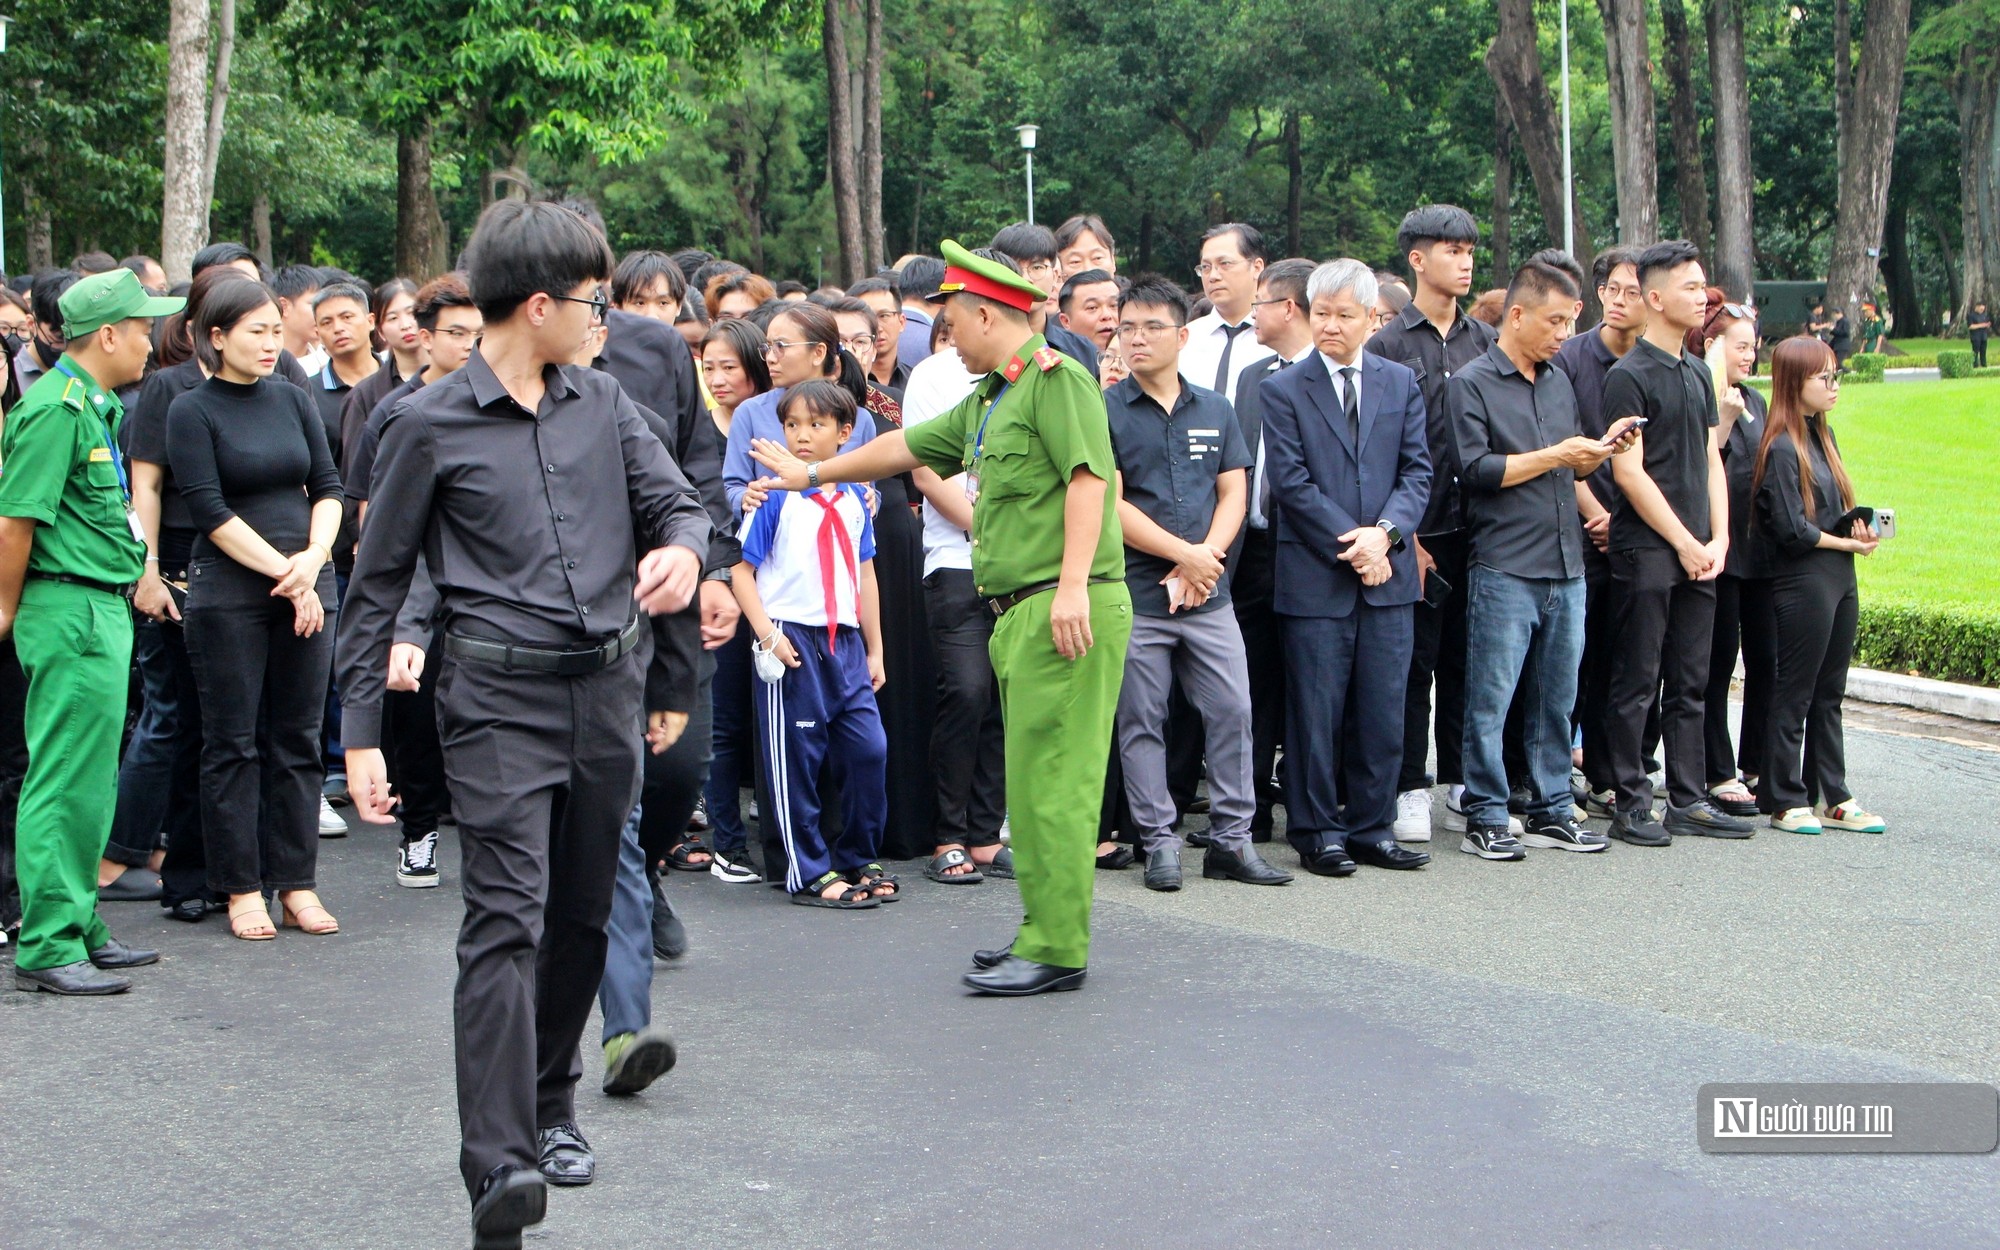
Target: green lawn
[(1928, 347), (1931, 451)]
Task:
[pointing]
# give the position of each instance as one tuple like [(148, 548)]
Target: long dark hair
[(1793, 363), (839, 365), (228, 303), (743, 337), (384, 295), (177, 340)]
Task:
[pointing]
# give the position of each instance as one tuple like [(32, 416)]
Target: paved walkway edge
[(1948, 697)]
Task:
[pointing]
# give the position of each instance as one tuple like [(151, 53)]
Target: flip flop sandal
[(853, 898), (678, 858), (1002, 865), (872, 877), (935, 870)]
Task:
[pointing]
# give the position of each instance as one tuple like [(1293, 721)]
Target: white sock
[(1457, 794)]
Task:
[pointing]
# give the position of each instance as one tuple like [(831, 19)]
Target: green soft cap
[(105, 299)]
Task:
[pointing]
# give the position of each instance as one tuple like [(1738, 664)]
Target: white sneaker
[(1454, 815), (1796, 820), (331, 824), (1413, 816)]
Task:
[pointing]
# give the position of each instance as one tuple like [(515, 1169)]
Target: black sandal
[(873, 877), (952, 858), (1114, 859), (679, 859), (852, 898), (1002, 864)]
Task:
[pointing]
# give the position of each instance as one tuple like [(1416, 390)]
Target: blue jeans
[(626, 990), (1528, 632), (734, 758)]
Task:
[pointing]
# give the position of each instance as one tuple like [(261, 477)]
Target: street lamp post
[(1027, 133), (5, 22), (1569, 188)]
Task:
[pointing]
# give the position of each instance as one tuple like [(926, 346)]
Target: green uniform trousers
[(1058, 715), (75, 646)]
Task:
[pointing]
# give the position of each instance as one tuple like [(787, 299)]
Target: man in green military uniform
[(70, 550), (1049, 558)]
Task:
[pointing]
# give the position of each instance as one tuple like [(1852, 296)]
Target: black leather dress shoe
[(1014, 977), (1331, 862), (991, 959), (81, 977), (191, 909), (1387, 855), (510, 1200), (565, 1156), (1163, 869), (670, 936), (115, 954), (1249, 867)]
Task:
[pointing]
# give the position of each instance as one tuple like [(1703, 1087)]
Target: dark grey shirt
[(1169, 464), (1412, 340), (520, 517), (1677, 397), (1748, 554), (1528, 529)]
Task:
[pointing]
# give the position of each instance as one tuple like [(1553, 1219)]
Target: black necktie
[(1350, 401), (1229, 334)]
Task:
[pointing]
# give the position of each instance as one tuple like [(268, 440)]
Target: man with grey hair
[(1348, 456)]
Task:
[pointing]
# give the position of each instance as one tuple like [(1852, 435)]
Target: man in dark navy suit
[(1348, 458)]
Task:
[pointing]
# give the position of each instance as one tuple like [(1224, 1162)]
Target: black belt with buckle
[(1001, 603), (88, 583), (561, 662)]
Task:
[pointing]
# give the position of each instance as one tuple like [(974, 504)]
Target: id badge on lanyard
[(979, 446), (117, 467)]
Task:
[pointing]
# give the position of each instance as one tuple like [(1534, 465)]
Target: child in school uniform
[(807, 588)]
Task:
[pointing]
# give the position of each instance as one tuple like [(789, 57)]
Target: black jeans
[(1439, 652), (162, 765), (13, 767), (1816, 610), (416, 762), (968, 751), (259, 797), (1742, 619), (1665, 626), (1264, 653)]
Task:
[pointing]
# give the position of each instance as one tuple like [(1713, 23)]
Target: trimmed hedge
[(1865, 367), (1948, 643), (1954, 364)]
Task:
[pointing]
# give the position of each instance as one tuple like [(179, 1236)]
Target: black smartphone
[(1633, 427), (178, 593), (1844, 526), (1436, 589)]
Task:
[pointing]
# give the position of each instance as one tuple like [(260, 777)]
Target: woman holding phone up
[(1802, 493)]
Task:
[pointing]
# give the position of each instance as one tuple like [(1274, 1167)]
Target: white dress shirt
[(1203, 353), (935, 386)]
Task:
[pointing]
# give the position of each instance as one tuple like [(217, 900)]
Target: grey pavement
[(1479, 1054)]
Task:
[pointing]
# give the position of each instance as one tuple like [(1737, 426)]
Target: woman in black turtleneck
[(252, 461)]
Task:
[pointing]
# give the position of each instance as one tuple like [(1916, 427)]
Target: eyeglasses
[(1221, 264), (1036, 268), (858, 342), (1149, 329), (1282, 299), (458, 334), (1613, 291), (599, 303), (15, 327), (778, 347), (1828, 379)]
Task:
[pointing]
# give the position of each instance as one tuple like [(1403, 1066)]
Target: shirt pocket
[(106, 498), (1009, 465)]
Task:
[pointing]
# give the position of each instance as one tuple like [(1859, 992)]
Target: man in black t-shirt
[(1979, 328)]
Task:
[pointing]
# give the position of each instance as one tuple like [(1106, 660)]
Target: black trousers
[(543, 771), (1345, 703), (416, 761), (259, 793), (1816, 610), (968, 749), (1665, 627), (13, 767), (1979, 351), (672, 781), (1742, 620), (1593, 685), (1264, 649), (1437, 654)]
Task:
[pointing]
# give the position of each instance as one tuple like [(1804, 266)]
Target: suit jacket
[(1326, 484), (1252, 577)]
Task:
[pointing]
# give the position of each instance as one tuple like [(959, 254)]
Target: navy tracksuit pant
[(823, 712)]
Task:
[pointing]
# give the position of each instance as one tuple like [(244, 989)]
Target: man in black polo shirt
[(1435, 339), (1181, 462), (1669, 537), (1586, 358), (1519, 451)]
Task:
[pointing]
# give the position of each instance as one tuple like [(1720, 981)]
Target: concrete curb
[(1947, 697)]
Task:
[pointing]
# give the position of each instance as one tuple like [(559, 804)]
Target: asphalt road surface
[(1474, 1055)]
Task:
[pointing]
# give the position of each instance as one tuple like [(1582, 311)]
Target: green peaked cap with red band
[(966, 274)]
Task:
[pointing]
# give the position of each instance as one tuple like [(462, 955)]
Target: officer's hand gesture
[(788, 472)]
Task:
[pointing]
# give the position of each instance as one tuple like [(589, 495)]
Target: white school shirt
[(781, 540)]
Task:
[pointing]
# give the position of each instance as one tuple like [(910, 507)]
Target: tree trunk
[(1871, 145), (218, 106), (1635, 162), (1503, 195), (871, 141), (840, 145), (1690, 177), (1976, 87), (1295, 183), (1843, 79), (1734, 263), (1903, 306), (41, 237), (421, 247), (260, 228), (1515, 62), (184, 209), (1947, 244)]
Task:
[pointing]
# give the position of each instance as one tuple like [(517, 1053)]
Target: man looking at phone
[(1522, 458)]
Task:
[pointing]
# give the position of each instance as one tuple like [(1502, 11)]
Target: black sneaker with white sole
[(1703, 818), (1563, 835), (1492, 842), (416, 863), (733, 866)]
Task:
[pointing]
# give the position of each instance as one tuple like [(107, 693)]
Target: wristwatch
[(812, 476), (1395, 535)]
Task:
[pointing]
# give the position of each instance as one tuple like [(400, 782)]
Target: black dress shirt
[(1749, 555), (1528, 529), (1676, 396), (1790, 536), (519, 516), (1169, 464), (1412, 340)]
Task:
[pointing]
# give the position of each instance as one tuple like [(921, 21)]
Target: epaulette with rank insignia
[(1048, 358), (74, 395)]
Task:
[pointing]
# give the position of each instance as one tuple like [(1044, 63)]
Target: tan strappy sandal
[(249, 919), (307, 915)]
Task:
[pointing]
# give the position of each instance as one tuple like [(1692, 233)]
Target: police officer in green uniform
[(70, 551), (1049, 558)]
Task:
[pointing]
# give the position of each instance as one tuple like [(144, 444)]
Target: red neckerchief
[(832, 530)]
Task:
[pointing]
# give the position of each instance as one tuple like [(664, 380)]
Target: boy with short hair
[(807, 587)]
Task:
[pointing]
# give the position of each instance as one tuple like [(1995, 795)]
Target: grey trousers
[(1205, 651)]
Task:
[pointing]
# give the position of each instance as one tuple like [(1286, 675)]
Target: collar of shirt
[(1022, 362), (1129, 391), (1333, 368), (488, 390), (1413, 317), (1649, 352), (329, 380), (103, 403)]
